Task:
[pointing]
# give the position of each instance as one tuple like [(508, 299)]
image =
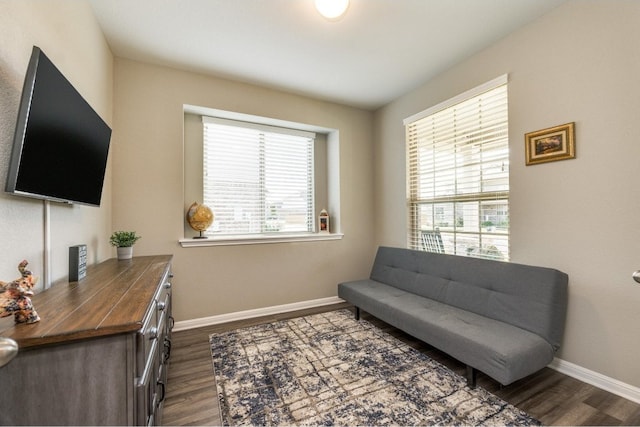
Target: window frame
[(326, 172), (456, 197), (264, 148)]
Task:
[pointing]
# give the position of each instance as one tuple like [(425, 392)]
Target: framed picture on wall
[(548, 145)]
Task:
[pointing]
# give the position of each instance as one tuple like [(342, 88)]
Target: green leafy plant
[(123, 239)]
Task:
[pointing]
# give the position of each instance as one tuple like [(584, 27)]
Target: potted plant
[(124, 241)]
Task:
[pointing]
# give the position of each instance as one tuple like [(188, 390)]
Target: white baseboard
[(578, 372), (596, 379), (258, 312)]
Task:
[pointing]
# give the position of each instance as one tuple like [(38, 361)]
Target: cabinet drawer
[(147, 339), (157, 322), (163, 296), (147, 396), (152, 355)]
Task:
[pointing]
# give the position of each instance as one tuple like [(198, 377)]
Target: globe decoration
[(200, 217)]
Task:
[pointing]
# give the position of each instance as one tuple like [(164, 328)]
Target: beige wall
[(68, 33), (148, 178), (580, 63)]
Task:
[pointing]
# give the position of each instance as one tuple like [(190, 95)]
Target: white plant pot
[(125, 253)]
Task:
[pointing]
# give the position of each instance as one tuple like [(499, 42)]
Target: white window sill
[(257, 240)]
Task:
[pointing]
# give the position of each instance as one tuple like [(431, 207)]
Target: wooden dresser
[(99, 354)]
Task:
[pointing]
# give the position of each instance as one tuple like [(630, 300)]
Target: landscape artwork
[(547, 145)]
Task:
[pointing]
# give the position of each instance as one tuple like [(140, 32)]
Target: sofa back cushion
[(529, 297)]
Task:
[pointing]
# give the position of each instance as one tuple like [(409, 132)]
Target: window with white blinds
[(257, 179), (458, 175)]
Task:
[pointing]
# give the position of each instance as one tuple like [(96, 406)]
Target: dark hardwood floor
[(551, 397)]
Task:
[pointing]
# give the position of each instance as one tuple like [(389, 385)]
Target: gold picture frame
[(549, 145)]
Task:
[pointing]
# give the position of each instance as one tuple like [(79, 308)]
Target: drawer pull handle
[(161, 384), (167, 285), (161, 305), (153, 333), (167, 350)]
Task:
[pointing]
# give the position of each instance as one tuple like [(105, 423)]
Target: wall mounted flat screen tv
[(60, 144)]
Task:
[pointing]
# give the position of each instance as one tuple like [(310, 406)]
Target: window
[(458, 173), (257, 179)]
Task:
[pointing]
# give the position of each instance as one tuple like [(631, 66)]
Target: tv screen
[(61, 144)]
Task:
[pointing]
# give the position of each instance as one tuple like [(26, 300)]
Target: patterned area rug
[(329, 369)]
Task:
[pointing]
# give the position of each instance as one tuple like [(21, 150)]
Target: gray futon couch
[(501, 318)]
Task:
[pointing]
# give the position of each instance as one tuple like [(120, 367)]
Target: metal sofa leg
[(357, 313), (471, 377)]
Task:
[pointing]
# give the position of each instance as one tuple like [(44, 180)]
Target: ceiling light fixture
[(332, 9)]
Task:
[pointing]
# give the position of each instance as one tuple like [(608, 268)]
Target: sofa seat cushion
[(500, 350), (531, 298)]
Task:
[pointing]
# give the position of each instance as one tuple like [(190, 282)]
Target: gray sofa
[(501, 318)]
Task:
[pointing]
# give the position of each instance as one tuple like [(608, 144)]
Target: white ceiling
[(378, 51)]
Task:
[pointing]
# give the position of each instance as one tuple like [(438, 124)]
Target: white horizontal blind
[(257, 179), (458, 176)]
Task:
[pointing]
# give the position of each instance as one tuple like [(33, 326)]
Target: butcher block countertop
[(113, 298)]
